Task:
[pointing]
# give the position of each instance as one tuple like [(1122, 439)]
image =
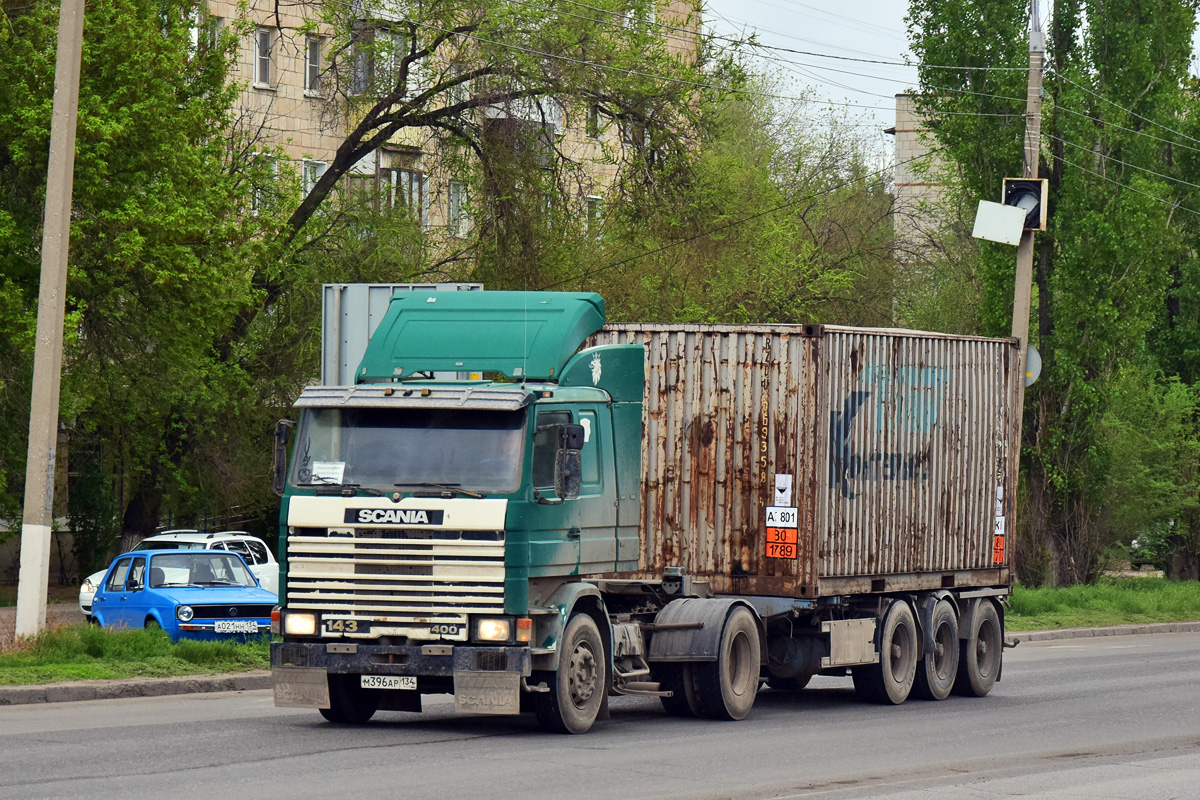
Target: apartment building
[(286, 64), (918, 186)]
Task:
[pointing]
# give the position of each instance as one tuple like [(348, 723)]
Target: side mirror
[(568, 462), (283, 430)]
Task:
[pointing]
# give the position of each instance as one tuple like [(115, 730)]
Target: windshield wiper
[(333, 487), (446, 487)]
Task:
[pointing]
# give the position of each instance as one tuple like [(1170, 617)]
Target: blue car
[(190, 594)]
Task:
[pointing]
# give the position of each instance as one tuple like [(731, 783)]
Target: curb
[(1115, 630), (74, 691)]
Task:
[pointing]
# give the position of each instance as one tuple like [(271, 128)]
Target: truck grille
[(401, 581)]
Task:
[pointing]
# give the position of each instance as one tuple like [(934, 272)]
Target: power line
[(1126, 110), (1154, 197), (741, 221), (1115, 160)]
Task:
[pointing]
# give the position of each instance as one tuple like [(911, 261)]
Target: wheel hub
[(581, 676)]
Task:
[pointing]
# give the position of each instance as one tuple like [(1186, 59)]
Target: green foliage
[(81, 652), (161, 262), (1150, 430), (1117, 247), (1110, 601)]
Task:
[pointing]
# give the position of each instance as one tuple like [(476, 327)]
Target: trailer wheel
[(349, 703), (680, 680), (577, 687), (938, 670), (725, 688), (890, 681), (979, 663)]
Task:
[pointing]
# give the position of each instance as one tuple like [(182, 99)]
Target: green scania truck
[(531, 510)]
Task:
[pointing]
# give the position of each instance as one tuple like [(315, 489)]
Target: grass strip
[(83, 652), (1111, 601)]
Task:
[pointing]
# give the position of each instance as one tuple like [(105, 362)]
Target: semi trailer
[(531, 510)]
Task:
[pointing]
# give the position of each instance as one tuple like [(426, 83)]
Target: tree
[(1116, 96), (162, 252)]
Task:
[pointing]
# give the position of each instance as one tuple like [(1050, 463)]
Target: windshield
[(198, 569), (386, 449)]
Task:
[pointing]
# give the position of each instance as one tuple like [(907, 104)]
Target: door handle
[(574, 533)]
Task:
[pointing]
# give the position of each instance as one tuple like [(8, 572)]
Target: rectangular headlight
[(493, 629), (300, 624)]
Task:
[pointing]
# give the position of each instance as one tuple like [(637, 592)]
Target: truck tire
[(577, 687), (725, 688), (937, 670), (891, 680), (680, 680), (349, 703), (979, 662)]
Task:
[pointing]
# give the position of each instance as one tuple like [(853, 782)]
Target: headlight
[(300, 624), (88, 587), (184, 613), (493, 630)]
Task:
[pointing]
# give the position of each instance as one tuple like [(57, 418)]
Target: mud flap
[(300, 687), (478, 692)]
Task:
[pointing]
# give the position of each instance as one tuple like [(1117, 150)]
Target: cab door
[(575, 535)]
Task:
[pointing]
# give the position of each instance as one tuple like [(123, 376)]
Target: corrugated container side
[(896, 441), (725, 409), (917, 477)]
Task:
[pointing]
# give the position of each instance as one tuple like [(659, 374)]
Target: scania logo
[(394, 516)]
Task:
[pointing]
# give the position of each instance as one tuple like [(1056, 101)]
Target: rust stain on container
[(898, 444)]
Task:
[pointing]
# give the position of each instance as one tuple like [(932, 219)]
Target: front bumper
[(484, 680)]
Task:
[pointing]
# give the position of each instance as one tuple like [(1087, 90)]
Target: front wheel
[(577, 687), (349, 703), (725, 688)]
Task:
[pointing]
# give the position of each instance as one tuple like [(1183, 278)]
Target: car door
[(108, 606), (137, 596)]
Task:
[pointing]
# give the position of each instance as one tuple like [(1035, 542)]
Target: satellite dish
[(1033, 365)]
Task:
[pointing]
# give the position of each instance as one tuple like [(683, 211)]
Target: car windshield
[(198, 569), (383, 449)]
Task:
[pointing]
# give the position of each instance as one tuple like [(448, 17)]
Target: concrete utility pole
[(47, 358), (1033, 147)]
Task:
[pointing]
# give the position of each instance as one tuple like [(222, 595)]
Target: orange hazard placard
[(781, 550), (997, 549), (781, 535)]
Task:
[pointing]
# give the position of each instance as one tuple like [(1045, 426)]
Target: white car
[(254, 552)]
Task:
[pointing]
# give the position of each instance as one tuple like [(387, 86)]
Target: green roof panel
[(524, 335)]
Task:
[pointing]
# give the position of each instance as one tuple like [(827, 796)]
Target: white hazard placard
[(783, 489)]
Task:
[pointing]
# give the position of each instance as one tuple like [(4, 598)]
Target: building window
[(405, 188), (311, 172), (263, 41), (593, 121), (458, 221), (264, 192), (312, 65), (594, 215)]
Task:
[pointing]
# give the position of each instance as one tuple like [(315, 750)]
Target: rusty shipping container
[(810, 461)]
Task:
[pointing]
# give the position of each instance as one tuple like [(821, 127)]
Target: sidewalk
[(261, 679)]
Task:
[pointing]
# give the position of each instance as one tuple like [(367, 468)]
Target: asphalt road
[(1117, 717)]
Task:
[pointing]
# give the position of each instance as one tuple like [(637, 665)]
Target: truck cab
[(478, 458)]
